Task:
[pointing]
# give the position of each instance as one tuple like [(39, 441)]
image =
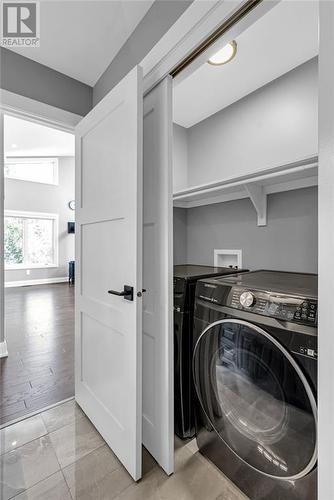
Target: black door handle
[(127, 292)]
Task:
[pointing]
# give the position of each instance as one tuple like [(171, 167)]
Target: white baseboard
[(45, 281), (3, 349)]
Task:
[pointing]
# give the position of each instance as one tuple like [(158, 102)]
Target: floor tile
[(97, 476), (230, 490), (64, 414), (91, 471), (52, 488), (192, 480), (192, 446), (23, 432), (232, 494), (146, 489), (148, 462), (24, 467), (75, 440)]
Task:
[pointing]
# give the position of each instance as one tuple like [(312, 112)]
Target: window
[(44, 170), (30, 240)]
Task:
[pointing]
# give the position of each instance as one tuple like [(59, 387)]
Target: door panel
[(97, 277), (158, 419), (99, 178), (109, 256)]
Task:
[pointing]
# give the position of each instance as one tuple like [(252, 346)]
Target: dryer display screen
[(295, 309)]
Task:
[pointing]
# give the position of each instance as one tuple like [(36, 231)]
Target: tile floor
[(59, 455)]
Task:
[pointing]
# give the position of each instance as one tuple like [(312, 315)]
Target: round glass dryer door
[(256, 398)]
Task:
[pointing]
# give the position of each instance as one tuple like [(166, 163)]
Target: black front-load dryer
[(255, 377), (185, 277)]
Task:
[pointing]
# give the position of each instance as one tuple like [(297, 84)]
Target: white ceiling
[(281, 40), (80, 38), (25, 138)]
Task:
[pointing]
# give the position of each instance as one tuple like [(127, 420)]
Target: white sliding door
[(158, 390), (108, 345)]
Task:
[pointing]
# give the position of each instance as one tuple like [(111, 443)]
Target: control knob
[(247, 299)]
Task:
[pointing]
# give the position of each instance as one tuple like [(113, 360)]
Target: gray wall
[(180, 157), (180, 235), (274, 125), (289, 241), (26, 77), (35, 197), (160, 17)]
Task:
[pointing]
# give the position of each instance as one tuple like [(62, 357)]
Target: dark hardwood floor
[(39, 370)]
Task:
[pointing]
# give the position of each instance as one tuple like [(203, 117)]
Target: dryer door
[(256, 398)]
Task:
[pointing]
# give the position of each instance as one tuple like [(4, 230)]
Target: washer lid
[(288, 283), (256, 398)]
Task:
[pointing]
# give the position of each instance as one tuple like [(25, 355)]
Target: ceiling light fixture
[(224, 55)]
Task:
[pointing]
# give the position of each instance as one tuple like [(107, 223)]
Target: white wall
[(35, 197), (274, 125)]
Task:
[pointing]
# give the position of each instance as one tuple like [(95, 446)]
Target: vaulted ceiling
[(281, 40), (81, 37)]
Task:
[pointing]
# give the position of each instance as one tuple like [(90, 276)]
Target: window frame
[(37, 215), (11, 160)]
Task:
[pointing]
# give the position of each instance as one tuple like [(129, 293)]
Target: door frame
[(326, 248), (36, 111), (194, 26), (28, 109)]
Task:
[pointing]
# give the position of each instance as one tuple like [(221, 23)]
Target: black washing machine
[(255, 377), (185, 277)]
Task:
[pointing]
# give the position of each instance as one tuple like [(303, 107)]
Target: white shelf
[(299, 174)]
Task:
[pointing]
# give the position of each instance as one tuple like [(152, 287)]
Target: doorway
[(245, 163), (262, 214), (39, 180)]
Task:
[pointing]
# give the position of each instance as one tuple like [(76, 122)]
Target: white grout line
[(34, 413)]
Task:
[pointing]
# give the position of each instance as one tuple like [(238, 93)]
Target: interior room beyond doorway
[(38, 248)]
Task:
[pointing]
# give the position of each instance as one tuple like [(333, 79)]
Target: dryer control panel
[(280, 306)]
